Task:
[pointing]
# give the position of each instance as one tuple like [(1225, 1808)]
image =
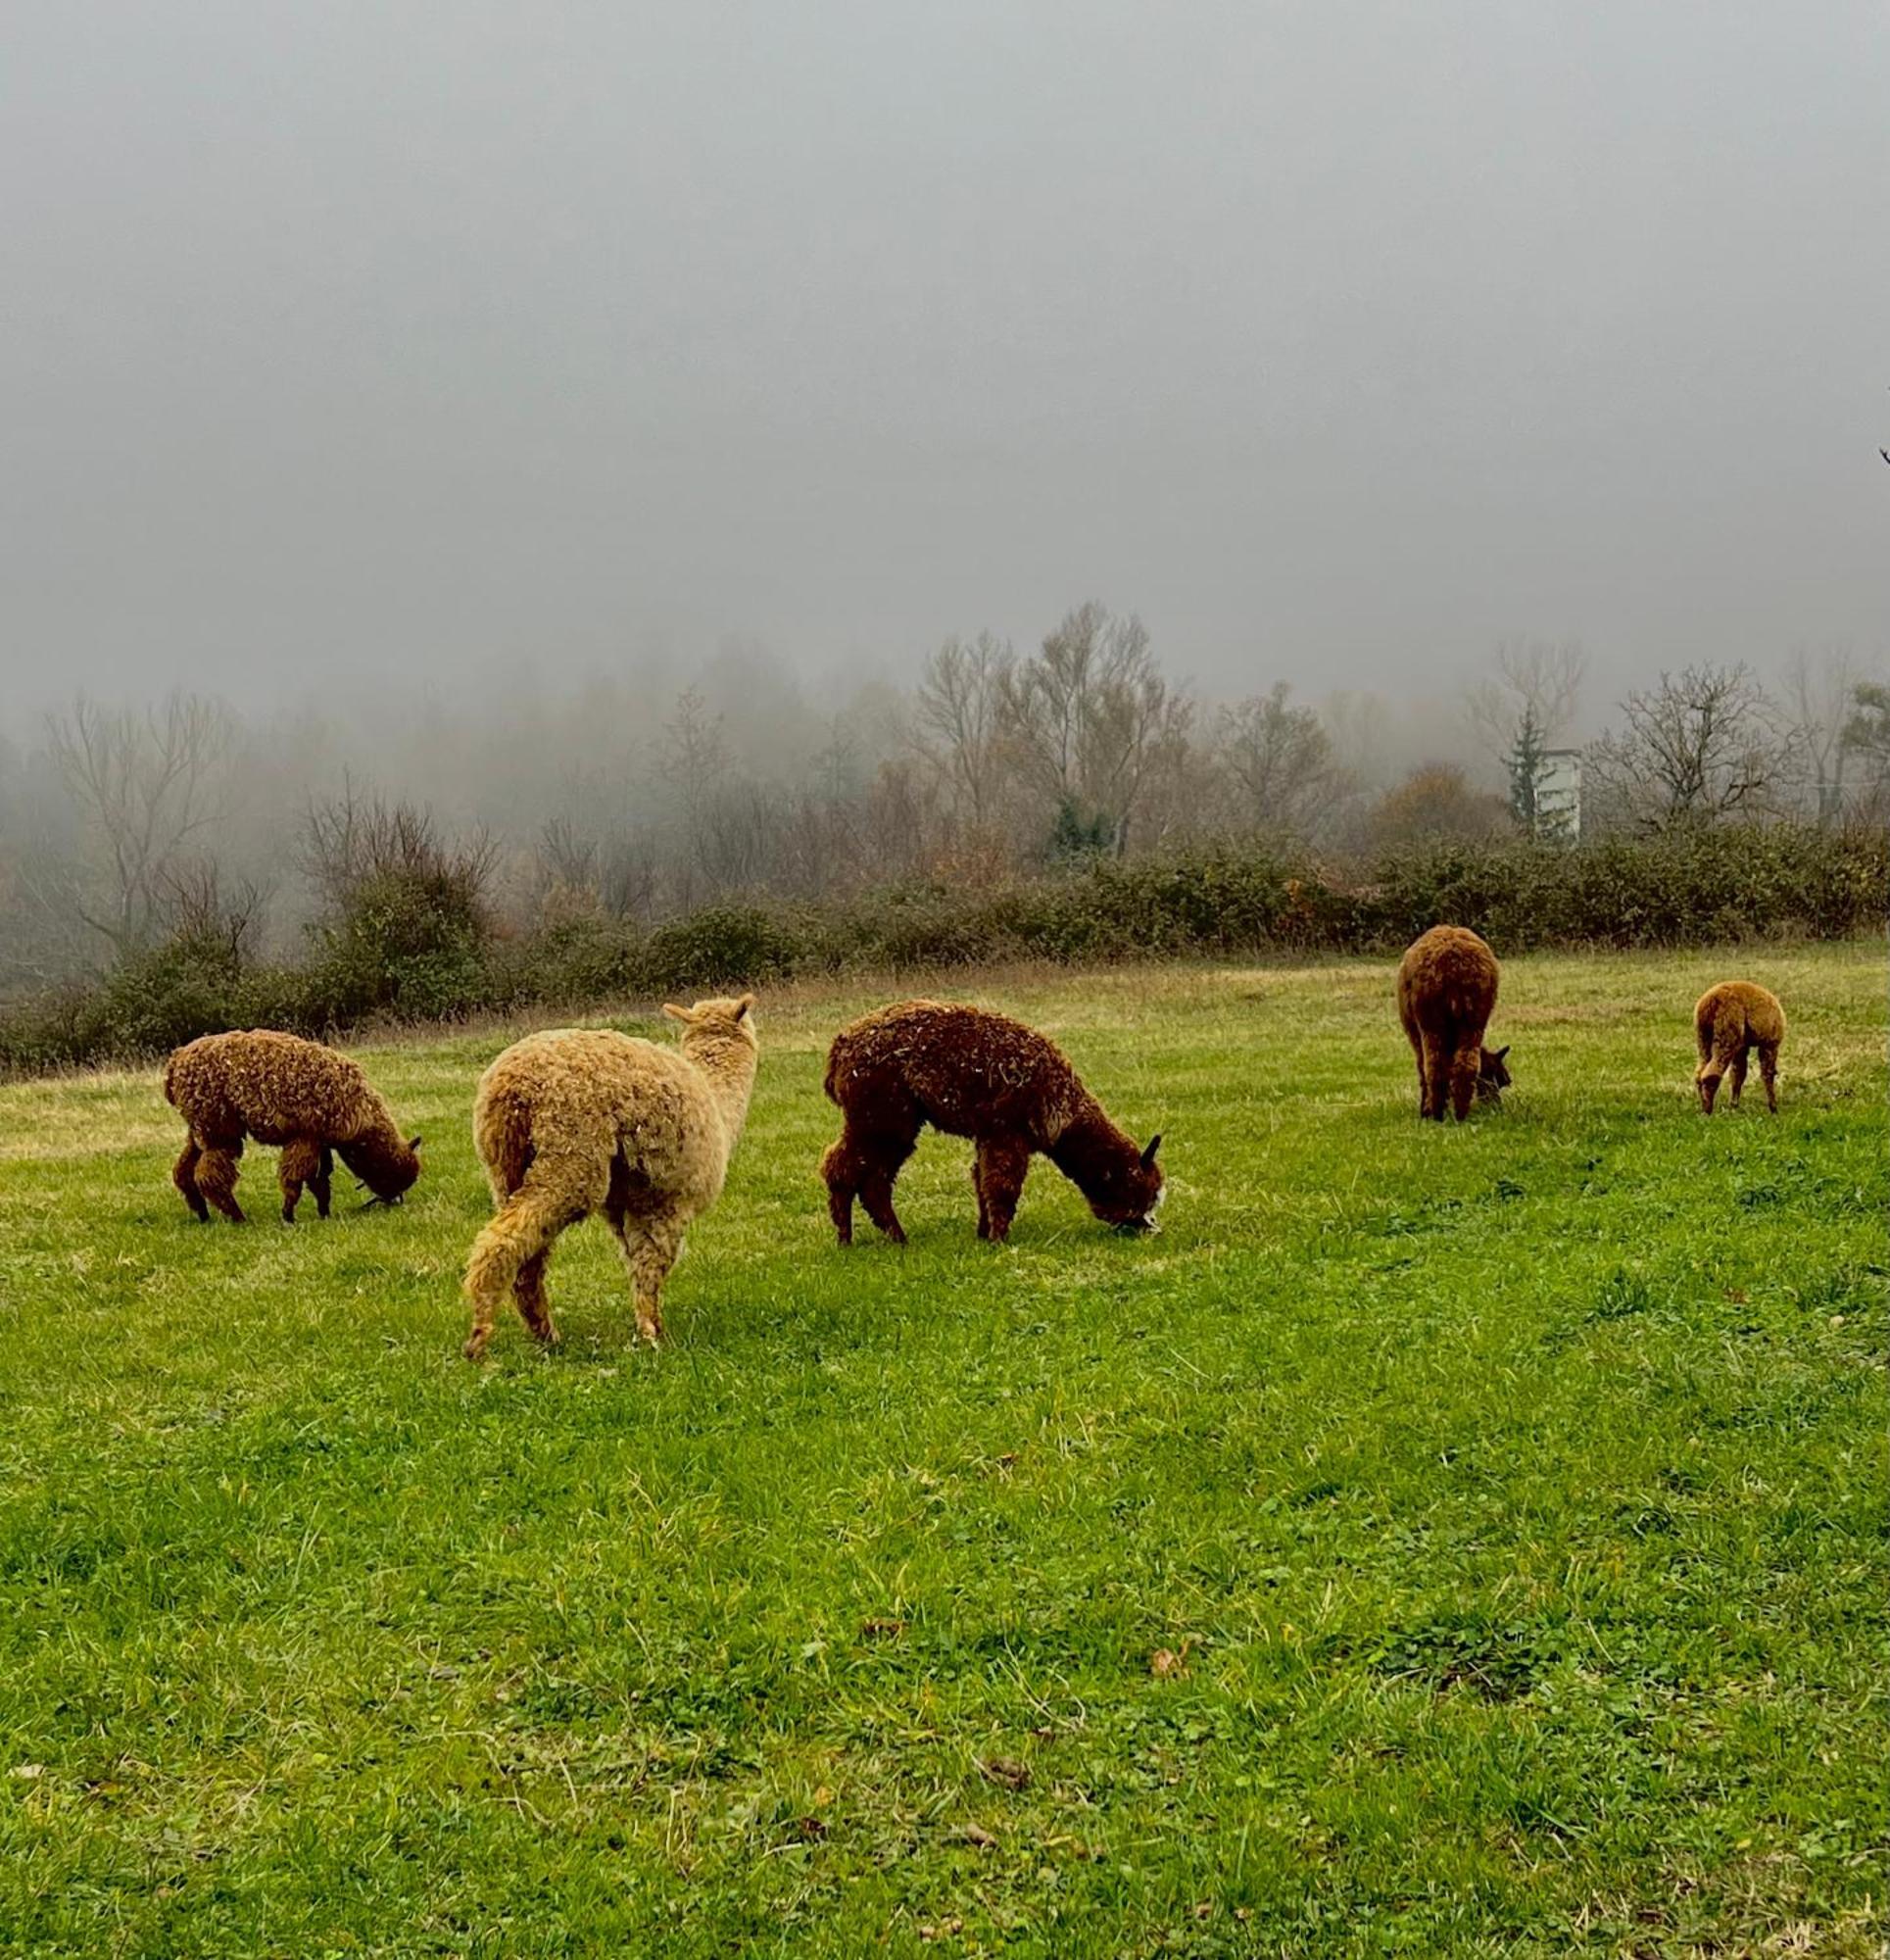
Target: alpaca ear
[(742, 1005), (1148, 1156), (413, 1144), (1502, 1051), (677, 1013)]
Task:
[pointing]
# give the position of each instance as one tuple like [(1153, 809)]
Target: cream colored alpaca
[(582, 1121)]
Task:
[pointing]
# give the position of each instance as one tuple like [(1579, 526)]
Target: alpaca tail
[(523, 1227), (170, 1080), (1721, 1030)]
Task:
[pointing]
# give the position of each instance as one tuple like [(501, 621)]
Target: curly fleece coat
[(280, 1088), (1446, 993), (1730, 1021), (976, 1074), (582, 1121)]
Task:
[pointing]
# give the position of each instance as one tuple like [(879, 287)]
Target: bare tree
[(960, 723), (567, 866), (1532, 682), (217, 915), (1702, 746), (147, 785), (693, 760), (1820, 698), (353, 841), (1521, 712), (1277, 762), (1866, 737), (1091, 722)]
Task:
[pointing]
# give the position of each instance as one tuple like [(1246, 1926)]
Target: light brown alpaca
[(279, 1089), (980, 1075), (1446, 993), (586, 1119), (1731, 1020)]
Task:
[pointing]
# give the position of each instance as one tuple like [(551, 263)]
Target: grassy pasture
[(1459, 1541)]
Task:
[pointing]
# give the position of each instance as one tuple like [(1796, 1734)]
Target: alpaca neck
[(1089, 1147), (727, 1065)]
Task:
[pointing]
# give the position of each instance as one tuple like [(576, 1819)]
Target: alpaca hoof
[(475, 1348)]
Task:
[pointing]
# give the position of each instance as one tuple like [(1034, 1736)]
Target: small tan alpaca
[(582, 1121), (280, 1088), (1446, 993), (1731, 1020)]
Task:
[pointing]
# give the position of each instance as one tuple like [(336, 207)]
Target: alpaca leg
[(1769, 1073), (533, 1303), (841, 1168), (1724, 1056), (1464, 1064), (1434, 1072), (554, 1194), (1002, 1164), (299, 1164), (883, 1158), (322, 1182), (216, 1178), (183, 1174), (1736, 1077), (650, 1246)]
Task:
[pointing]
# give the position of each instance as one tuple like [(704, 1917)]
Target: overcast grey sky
[(1340, 341)]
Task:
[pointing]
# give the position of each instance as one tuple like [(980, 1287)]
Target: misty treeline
[(647, 797)]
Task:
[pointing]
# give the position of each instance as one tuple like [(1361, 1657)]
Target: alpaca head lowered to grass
[(383, 1165), (1492, 1074)]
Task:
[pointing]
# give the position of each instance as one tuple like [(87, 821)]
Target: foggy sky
[(1340, 341)]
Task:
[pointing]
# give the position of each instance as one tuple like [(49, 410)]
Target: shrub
[(572, 961), (411, 940), (721, 946)]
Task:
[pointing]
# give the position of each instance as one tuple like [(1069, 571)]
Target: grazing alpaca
[(279, 1089), (1731, 1020), (583, 1120), (979, 1076), (1446, 991)]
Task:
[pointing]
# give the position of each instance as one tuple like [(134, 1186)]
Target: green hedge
[(1777, 882)]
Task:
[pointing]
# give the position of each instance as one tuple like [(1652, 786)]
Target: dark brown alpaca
[(981, 1075), (1730, 1021), (280, 1090), (1446, 993)]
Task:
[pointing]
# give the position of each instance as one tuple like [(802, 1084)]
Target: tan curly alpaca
[(586, 1119), (280, 1088), (1730, 1021)]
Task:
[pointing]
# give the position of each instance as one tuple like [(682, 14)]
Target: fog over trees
[(646, 794)]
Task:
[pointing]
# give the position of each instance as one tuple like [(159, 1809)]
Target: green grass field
[(1510, 1498)]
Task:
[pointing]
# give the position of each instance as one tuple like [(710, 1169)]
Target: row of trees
[(122, 821)]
